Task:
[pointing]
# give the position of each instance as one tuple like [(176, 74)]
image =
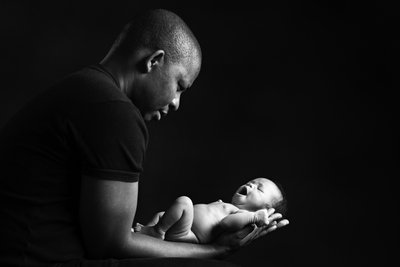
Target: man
[(72, 157)]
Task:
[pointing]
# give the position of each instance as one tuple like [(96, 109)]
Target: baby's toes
[(137, 227)]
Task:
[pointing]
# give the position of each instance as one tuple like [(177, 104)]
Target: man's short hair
[(159, 29)]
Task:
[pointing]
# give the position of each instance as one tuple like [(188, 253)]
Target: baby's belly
[(205, 220)]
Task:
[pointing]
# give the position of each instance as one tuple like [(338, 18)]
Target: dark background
[(299, 92)]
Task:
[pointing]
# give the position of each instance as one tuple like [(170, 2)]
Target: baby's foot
[(137, 227), (261, 218), (151, 231)]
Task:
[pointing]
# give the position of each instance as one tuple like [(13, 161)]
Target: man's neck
[(117, 71)]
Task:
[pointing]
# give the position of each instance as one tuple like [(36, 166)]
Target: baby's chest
[(219, 210), (207, 216), (223, 209)]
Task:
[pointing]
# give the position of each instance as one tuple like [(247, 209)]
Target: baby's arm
[(240, 219)]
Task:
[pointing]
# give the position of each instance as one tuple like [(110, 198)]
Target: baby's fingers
[(270, 211)]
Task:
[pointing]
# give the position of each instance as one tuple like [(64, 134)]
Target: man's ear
[(154, 60)]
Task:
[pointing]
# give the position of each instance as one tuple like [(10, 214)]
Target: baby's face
[(256, 194)]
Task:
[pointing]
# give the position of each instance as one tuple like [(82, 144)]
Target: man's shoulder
[(90, 84), (86, 91)]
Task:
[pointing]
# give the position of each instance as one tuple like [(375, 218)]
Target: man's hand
[(275, 222), (236, 240)]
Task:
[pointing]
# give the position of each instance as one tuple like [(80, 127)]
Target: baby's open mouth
[(243, 190)]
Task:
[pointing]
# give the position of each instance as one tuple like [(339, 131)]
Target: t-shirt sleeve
[(110, 139)]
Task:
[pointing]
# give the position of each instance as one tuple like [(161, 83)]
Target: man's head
[(260, 193), (156, 58)]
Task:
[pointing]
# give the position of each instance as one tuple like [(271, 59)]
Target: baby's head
[(260, 193)]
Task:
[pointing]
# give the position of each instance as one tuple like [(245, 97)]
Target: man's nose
[(175, 102)]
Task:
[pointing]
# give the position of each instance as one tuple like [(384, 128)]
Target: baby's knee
[(160, 214), (157, 217), (184, 201)]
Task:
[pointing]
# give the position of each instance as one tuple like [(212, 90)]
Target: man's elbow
[(97, 250), (102, 248)]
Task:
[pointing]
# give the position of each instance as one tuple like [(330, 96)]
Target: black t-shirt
[(84, 125)]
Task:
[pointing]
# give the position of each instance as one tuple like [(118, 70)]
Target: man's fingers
[(256, 233), (271, 229), (274, 217), (267, 230), (252, 232), (245, 231), (273, 226), (282, 223)]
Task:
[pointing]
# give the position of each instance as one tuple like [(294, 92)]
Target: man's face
[(163, 88), (256, 194)]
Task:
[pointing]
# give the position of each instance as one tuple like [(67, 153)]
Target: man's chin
[(153, 116)]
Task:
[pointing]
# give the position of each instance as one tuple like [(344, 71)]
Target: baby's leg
[(177, 221), (156, 218), (149, 227), (173, 224)]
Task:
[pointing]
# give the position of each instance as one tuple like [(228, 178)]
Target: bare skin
[(108, 207), (202, 223), (209, 221)]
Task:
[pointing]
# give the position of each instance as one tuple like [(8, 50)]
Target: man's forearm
[(139, 245)]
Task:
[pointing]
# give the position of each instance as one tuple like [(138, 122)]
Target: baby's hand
[(261, 217)]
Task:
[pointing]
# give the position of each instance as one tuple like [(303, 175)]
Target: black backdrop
[(301, 92)]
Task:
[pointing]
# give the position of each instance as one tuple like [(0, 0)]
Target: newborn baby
[(253, 203)]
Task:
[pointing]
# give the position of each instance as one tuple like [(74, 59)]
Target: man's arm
[(107, 210)]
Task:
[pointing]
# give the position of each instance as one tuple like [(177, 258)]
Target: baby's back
[(207, 217)]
